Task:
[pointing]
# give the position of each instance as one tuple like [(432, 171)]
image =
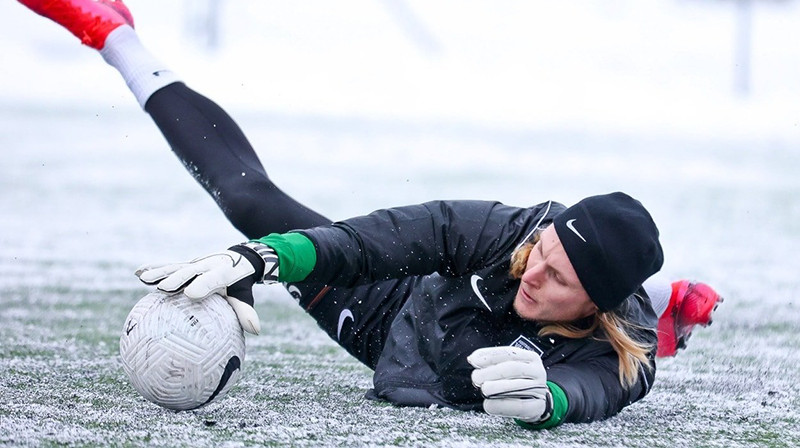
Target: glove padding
[(231, 273), (513, 382)]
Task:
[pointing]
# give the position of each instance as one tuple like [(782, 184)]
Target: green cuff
[(296, 255), (560, 406)]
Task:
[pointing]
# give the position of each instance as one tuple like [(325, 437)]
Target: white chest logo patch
[(474, 282), (525, 343)]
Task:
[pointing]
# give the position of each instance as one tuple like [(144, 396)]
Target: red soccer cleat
[(89, 20), (690, 304)]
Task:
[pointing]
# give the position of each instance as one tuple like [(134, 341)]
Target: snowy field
[(358, 105)]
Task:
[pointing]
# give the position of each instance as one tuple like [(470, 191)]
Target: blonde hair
[(632, 354)]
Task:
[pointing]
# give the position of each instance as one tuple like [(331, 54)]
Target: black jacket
[(457, 255)]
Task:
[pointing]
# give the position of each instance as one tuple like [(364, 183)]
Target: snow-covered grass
[(349, 114)]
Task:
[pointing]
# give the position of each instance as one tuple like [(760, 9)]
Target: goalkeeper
[(537, 314)]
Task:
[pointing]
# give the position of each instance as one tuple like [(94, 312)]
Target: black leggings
[(215, 151), (217, 154)]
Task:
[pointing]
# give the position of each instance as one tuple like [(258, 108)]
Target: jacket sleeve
[(590, 378), (593, 389), (447, 237)]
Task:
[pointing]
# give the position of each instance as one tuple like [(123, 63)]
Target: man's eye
[(558, 278)]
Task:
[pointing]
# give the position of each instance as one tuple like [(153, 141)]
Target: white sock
[(659, 289), (143, 73)]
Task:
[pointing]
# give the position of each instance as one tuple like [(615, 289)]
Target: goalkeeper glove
[(231, 273), (513, 382)]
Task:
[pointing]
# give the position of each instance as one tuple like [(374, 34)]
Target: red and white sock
[(142, 72)]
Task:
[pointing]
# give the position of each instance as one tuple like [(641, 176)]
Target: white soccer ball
[(179, 353)]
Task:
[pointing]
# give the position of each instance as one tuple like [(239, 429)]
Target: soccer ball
[(180, 353)]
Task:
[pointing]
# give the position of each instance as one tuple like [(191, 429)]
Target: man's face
[(549, 290)]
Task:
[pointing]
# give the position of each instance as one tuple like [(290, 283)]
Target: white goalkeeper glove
[(513, 382), (231, 273)]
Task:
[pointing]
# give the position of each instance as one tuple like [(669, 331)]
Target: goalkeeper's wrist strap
[(270, 259), (560, 407)]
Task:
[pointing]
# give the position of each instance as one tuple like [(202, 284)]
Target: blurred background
[(694, 66)]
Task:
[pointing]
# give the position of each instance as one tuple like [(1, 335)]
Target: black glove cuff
[(262, 257)]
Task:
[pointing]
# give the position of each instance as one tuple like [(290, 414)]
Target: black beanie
[(612, 242)]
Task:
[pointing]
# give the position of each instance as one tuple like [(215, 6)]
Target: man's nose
[(534, 275)]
